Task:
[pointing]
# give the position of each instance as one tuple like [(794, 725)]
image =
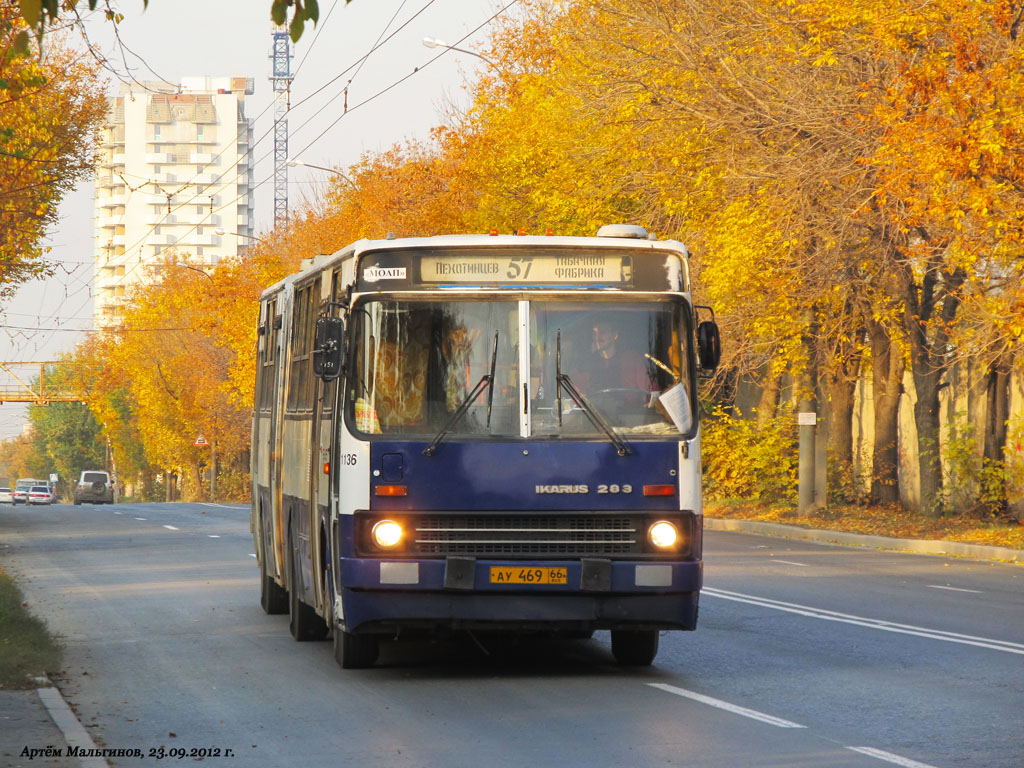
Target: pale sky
[(182, 38)]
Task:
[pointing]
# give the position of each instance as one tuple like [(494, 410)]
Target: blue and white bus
[(482, 432)]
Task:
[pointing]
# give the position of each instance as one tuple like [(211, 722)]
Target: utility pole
[(281, 78)]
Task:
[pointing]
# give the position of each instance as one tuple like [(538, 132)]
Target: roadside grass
[(878, 521), (27, 649)]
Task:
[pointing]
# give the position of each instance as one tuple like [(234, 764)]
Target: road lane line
[(252, 554), (862, 621), (719, 704), (787, 562), (140, 518), (889, 757), (213, 535), (171, 528), (955, 589)]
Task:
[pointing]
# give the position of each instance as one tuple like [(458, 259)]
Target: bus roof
[(619, 236)]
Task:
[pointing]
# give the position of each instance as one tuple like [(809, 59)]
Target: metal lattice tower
[(281, 78)]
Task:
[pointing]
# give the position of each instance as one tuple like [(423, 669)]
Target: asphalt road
[(806, 655)]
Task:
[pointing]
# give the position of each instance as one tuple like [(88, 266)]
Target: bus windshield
[(417, 362)]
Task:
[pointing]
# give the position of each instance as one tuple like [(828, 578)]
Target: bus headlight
[(663, 535), (387, 534)]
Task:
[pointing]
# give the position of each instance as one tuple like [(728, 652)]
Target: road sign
[(200, 440)]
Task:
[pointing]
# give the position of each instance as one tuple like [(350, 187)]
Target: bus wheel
[(634, 648), (354, 651), (273, 597), (303, 622)]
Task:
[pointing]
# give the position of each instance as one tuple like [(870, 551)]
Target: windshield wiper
[(563, 380), (487, 380)]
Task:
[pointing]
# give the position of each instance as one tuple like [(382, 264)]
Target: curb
[(917, 546), (67, 722)]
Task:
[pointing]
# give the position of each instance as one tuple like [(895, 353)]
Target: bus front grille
[(527, 536)]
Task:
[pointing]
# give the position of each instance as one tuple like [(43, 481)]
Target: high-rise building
[(174, 179)]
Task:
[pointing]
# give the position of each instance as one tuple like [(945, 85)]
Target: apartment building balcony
[(111, 201), (203, 158), (206, 178), (108, 222), (156, 158)]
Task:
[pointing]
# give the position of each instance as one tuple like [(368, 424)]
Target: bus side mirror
[(328, 347), (709, 345)]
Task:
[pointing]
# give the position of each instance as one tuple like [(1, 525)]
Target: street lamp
[(213, 442), (335, 171), (433, 42), (202, 272), (222, 231)]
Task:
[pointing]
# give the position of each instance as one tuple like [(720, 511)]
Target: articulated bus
[(482, 433)]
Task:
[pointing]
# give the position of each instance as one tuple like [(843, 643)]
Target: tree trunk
[(840, 437), (997, 413), (769, 400), (928, 334), (926, 419), (887, 367)]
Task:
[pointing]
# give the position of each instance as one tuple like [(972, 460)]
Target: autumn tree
[(50, 105)]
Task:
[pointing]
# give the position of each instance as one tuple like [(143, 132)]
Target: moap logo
[(562, 489), (375, 273)]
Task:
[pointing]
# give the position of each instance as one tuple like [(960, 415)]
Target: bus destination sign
[(590, 268)]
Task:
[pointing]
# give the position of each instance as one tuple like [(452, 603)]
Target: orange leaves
[(49, 106)]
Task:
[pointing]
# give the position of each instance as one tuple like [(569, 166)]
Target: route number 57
[(519, 268)]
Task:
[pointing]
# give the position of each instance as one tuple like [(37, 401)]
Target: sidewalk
[(28, 730), (916, 546)]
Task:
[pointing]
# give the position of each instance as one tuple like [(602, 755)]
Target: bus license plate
[(517, 575)]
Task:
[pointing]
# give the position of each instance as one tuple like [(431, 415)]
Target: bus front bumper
[(385, 596)]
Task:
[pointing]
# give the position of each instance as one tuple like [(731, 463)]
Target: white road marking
[(222, 506), (719, 704), (119, 513), (140, 518), (252, 554), (213, 535), (171, 528), (955, 589), (889, 757), (862, 621), (787, 562)]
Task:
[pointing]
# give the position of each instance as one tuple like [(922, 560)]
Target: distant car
[(20, 495), (94, 487), (40, 494), (6, 496)]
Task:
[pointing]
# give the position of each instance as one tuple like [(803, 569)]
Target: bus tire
[(354, 651), (273, 597), (303, 621), (634, 647)]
